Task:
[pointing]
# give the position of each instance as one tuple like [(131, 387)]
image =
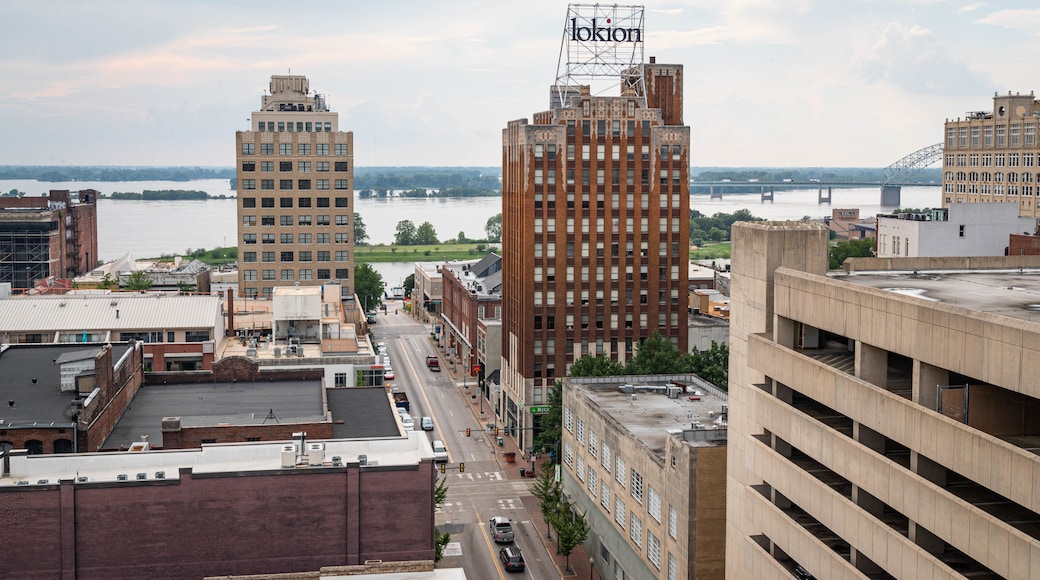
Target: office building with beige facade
[(644, 458), (994, 156), (884, 418), (295, 174)]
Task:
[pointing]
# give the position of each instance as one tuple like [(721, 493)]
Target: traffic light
[(443, 469), (496, 431), (462, 467), (467, 431)]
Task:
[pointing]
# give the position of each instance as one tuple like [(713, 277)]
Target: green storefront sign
[(536, 410)]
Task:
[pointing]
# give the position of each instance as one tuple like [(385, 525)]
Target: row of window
[(986, 189), (288, 202), (157, 336), (548, 152), (616, 127), (997, 177), (287, 221), (287, 149), (549, 177), (301, 184), (303, 274), (301, 166), (340, 238), (992, 160), (1014, 135), (549, 200), (297, 127), (302, 256)]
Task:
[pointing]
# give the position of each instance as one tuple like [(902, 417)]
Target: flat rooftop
[(648, 413), (208, 404), (230, 458), (1012, 293), (364, 412), (30, 391)]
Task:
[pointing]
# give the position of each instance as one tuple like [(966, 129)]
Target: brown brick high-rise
[(595, 234)]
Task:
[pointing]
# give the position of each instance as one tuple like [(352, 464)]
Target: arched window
[(62, 446), (34, 446)]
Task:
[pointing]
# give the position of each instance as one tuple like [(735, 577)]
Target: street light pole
[(592, 564)]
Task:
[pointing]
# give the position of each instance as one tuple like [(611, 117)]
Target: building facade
[(963, 229), (595, 234), (647, 466), (295, 174), (47, 236), (882, 425), (472, 292), (994, 156)]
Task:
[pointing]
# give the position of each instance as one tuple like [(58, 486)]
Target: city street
[(486, 488)]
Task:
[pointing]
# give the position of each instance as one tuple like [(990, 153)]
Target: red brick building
[(221, 510), (472, 291), (595, 232), (54, 235)]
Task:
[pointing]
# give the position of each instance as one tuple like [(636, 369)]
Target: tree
[(548, 438), (138, 280), (493, 228), (571, 529), (548, 492), (850, 249), (657, 355), (185, 287), (360, 235), (107, 281), (426, 235), (440, 493), (712, 365), (409, 284), (405, 235), (596, 366), (368, 285)]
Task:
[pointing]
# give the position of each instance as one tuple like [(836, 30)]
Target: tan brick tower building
[(295, 172)]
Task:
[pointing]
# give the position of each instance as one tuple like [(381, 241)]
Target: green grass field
[(711, 252)]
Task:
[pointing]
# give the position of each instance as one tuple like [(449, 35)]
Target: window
[(323, 148), (267, 148), (304, 238), (305, 255), (248, 256), (604, 457), (305, 274), (268, 274), (285, 185), (287, 256), (635, 530), (267, 256), (323, 256), (324, 238), (249, 166), (267, 220), (248, 149), (619, 470), (196, 336), (249, 220), (303, 149), (342, 273), (267, 184), (568, 420), (341, 149), (568, 454), (341, 220), (619, 511), (673, 522), (604, 495), (303, 184), (267, 166), (323, 274), (342, 202), (248, 202), (322, 166), (286, 238), (303, 202), (303, 220), (323, 202), (285, 166), (267, 238), (285, 148), (653, 504), (592, 443), (341, 166), (342, 238), (653, 549), (249, 275), (285, 220), (341, 184), (287, 275), (673, 572), (323, 184), (248, 238), (342, 256), (637, 486), (592, 481), (323, 220)]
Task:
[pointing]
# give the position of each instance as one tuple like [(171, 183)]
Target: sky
[(768, 83)]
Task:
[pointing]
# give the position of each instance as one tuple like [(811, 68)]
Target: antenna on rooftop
[(270, 416)]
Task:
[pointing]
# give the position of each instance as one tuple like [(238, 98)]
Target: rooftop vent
[(160, 475), (142, 475), (121, 477), (42, 482), (81, 479)]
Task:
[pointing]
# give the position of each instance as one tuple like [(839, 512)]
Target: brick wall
[(193, 437), (232, 369)]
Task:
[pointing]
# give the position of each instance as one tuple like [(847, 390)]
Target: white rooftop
[(76, 312)]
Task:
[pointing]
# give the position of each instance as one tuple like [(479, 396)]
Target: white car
[(388, 373), (440, 452), (408, 422)]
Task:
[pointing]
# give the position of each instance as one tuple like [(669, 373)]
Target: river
[(153, 228)]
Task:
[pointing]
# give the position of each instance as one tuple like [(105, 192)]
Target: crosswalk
[(486, 476)]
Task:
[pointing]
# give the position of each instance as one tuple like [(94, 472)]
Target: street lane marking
[(491, 549)]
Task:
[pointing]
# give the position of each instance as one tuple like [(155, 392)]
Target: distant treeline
[(423, 192), (441, 178), (163, 195), (105, 173)]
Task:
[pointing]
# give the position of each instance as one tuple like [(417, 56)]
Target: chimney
[(230, 330)]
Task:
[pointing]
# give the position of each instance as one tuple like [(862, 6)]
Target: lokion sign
[(595, 33)]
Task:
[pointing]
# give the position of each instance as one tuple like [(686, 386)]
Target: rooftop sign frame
[(601, 41)]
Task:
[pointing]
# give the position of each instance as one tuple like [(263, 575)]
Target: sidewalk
[(579, 561)]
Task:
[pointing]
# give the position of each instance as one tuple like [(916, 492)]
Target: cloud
[(913, 59), (1016, 19)]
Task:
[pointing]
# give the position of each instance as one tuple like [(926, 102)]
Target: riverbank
[(363, 254)]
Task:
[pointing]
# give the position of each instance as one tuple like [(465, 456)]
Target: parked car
[(440, 452), (388, 373), (512, 559), (408, 422), (501, 529), (427, 423)]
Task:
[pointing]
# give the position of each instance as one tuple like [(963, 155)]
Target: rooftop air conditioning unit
[(337, 461), (288, 456), (142, 475), (121, 477), (362, 459), (315, 453), (160, 475)]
